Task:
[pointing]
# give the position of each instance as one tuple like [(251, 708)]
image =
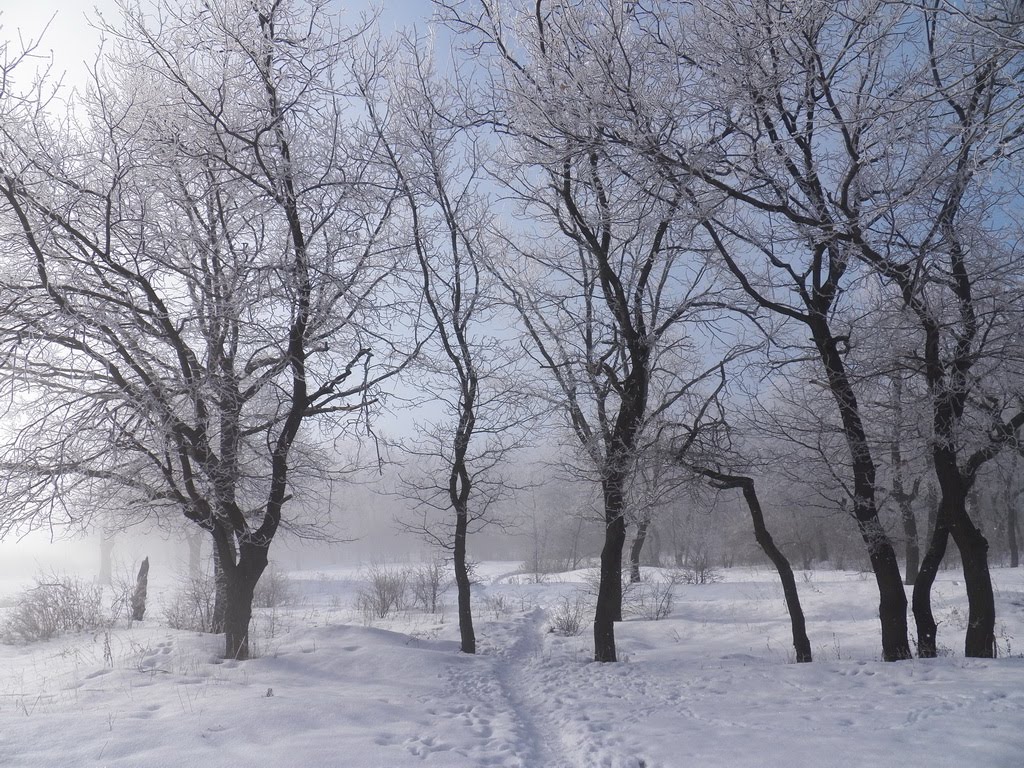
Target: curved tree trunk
[(980, 638), (466, 632), (927, 629), (954, 485), (892, 603), (801, 644)]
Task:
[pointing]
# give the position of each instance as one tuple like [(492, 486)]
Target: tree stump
[(139, 596)]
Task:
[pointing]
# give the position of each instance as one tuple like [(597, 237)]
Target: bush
[(192, 605), (57, 603), (122, 587), (274, 589), (700, 573), (498, 604), (569, 617), (652, 600), (384, 593), (427, 584)]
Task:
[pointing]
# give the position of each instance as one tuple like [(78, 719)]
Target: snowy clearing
[(711, 685)]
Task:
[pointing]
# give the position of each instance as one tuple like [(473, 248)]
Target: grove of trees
[(694, 245)]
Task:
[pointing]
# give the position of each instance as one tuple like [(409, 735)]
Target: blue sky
[(73, 42)]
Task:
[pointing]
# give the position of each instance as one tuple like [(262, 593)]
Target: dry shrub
[(57, 603), (652, 600), (274, 589), (191, 607), (569, 617), (385, 592), (428, 583)]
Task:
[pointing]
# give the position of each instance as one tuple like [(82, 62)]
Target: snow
[(711, 685)]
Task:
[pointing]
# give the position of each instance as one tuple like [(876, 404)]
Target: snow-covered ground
[(713, 684)]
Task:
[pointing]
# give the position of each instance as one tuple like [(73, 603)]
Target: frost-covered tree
[(468, 366), (194, 272), (609, 275)]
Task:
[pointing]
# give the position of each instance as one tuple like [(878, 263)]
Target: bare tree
[(426, 139), (197, 258), (612, 279)]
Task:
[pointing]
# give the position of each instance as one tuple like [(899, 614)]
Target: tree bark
[(954, 485), (220, 590), (980, 638)]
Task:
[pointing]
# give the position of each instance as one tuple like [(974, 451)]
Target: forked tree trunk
[(240, 581), (801, 644), (980, 638), (637, 548), (466, 632)]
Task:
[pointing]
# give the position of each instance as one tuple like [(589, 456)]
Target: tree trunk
[(609, 594), (913, 550), (892, 603), (801, 644), (927, 629), (467, 635), (240, 582), (220, 592), (141, 590), (1011, 534), (194, 539), (637, 548), (980, 639)]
